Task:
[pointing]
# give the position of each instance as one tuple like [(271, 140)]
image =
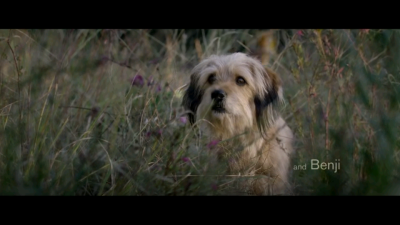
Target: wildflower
[(183, 119), (340, 70), (300, 33), (158, 89), (214, 187), (186, 159), (212, 143), (137, 80)]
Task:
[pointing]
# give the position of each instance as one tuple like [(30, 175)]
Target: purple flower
[(186, 159), (148, 134), (158, 88), (212, 143), (137, 80), (183, 119), (214, 187)]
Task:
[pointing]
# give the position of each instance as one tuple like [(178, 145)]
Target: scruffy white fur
[(264, 141)]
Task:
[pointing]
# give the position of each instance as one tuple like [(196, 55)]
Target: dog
[(234, 97)]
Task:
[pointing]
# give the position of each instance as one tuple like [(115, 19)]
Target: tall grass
[(97, 112)]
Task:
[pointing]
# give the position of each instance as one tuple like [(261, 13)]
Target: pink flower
[(183, 119), (300, 33), (336, 51), (212, 143), (137, 80)]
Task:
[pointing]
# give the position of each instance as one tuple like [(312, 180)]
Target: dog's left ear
[(268, 97)]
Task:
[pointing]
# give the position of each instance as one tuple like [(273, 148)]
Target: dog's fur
[(240, 101)]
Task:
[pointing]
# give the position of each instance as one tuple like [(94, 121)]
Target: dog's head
[(233, 92)]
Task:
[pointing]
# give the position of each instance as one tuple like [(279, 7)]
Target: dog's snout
[(218, 94)]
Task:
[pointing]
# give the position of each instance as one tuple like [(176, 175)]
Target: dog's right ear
[(268, 97), (192, 97)]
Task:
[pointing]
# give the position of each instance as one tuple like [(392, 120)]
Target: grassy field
[(97, 112)]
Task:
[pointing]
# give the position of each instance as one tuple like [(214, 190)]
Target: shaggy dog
[(235, 97)]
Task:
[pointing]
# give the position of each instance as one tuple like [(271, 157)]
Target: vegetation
[(97, 112)]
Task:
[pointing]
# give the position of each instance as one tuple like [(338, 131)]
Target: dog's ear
[(192, 97), (273, 87), (268, 97)]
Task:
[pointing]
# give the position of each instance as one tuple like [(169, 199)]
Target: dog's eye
[(211, 78), (240, 81)]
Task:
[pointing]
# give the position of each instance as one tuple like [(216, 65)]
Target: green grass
[(72, 123)]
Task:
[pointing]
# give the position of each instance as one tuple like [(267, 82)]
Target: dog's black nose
[(218, 95)]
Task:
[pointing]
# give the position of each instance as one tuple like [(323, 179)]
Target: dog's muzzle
[(218, 96)]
